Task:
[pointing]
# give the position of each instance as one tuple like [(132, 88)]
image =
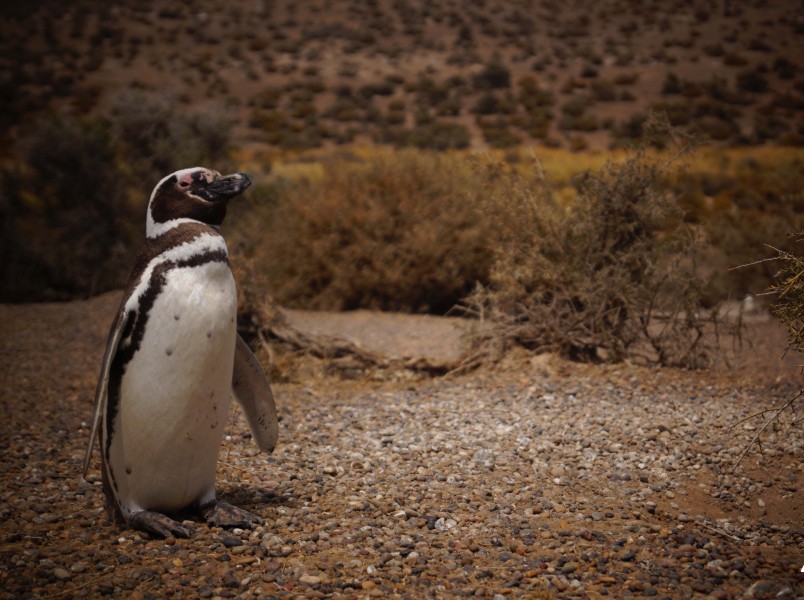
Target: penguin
[(173, 360)]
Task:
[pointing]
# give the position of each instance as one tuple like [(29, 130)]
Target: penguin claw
[(158, 524), (223, 514)]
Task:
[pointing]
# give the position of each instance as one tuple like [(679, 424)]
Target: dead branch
[(755, 439)]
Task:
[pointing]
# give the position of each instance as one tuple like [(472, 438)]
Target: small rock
[(760, 589), (569, 567), (445, 524), (231, 541), (559, 584)]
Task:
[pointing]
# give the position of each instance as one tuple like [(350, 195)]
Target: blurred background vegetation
[(417, 156)]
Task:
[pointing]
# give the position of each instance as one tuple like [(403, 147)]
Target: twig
[(78, 587), (755, 439), (721, 532)]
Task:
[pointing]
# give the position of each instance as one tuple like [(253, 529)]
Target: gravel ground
[(537, 479)]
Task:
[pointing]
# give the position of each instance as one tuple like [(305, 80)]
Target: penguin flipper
[(251, 390), (102, 391)]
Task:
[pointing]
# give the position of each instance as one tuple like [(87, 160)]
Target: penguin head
[(195, 194)]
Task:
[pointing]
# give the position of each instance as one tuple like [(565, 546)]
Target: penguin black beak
[(225, 187)]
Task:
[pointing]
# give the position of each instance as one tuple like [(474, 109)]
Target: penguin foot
[(158, 524), (223, 514)]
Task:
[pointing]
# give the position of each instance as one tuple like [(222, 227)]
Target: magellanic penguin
[(173, 360)]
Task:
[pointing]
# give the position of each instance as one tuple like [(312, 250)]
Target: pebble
[(231, 541), (310, 579), (496, 483), (569, 567)]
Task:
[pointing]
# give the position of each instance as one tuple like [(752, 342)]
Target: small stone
[(559, 584), (310, 579), (231, 541), (60, 573), (760, 589), (442, 524), (569, 567)]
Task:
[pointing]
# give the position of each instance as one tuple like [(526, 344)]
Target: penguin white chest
[(175, 392)]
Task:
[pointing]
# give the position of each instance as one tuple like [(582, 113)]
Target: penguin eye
[(184, 184)]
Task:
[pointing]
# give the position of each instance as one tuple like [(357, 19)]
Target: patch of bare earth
[(538, 478)]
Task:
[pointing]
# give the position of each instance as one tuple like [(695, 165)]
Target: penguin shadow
[(253, 498)]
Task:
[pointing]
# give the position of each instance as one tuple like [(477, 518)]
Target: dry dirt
[(537, 478)]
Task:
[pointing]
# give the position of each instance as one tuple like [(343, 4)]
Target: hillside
[(463, 73)]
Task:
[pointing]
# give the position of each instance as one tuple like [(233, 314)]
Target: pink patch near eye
[(186, 180)]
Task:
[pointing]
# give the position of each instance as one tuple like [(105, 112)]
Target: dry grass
[(395, 232), (788, 289), (613, 277)]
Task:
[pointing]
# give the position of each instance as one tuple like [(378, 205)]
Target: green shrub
[(440, 135), (495, 75), (604, 90), (533, 98), (672, 84), (752, 81), (68, 227), (157, 137), (76, 195), (496, 132)]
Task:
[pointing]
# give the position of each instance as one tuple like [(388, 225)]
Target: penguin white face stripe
[(153, 229), (196, 194)]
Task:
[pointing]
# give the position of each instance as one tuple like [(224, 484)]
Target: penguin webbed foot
[(158, 524), (223, 514)]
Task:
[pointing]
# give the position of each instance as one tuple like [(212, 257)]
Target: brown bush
[(788, 289), (612, 278), (397, 232)]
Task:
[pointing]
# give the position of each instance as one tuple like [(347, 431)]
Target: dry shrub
[(396, 232), (759, 206), (610, 278), (73, 201), (788, 288), (66, 227)]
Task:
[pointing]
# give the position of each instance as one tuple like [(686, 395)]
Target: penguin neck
[(154, 229)]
